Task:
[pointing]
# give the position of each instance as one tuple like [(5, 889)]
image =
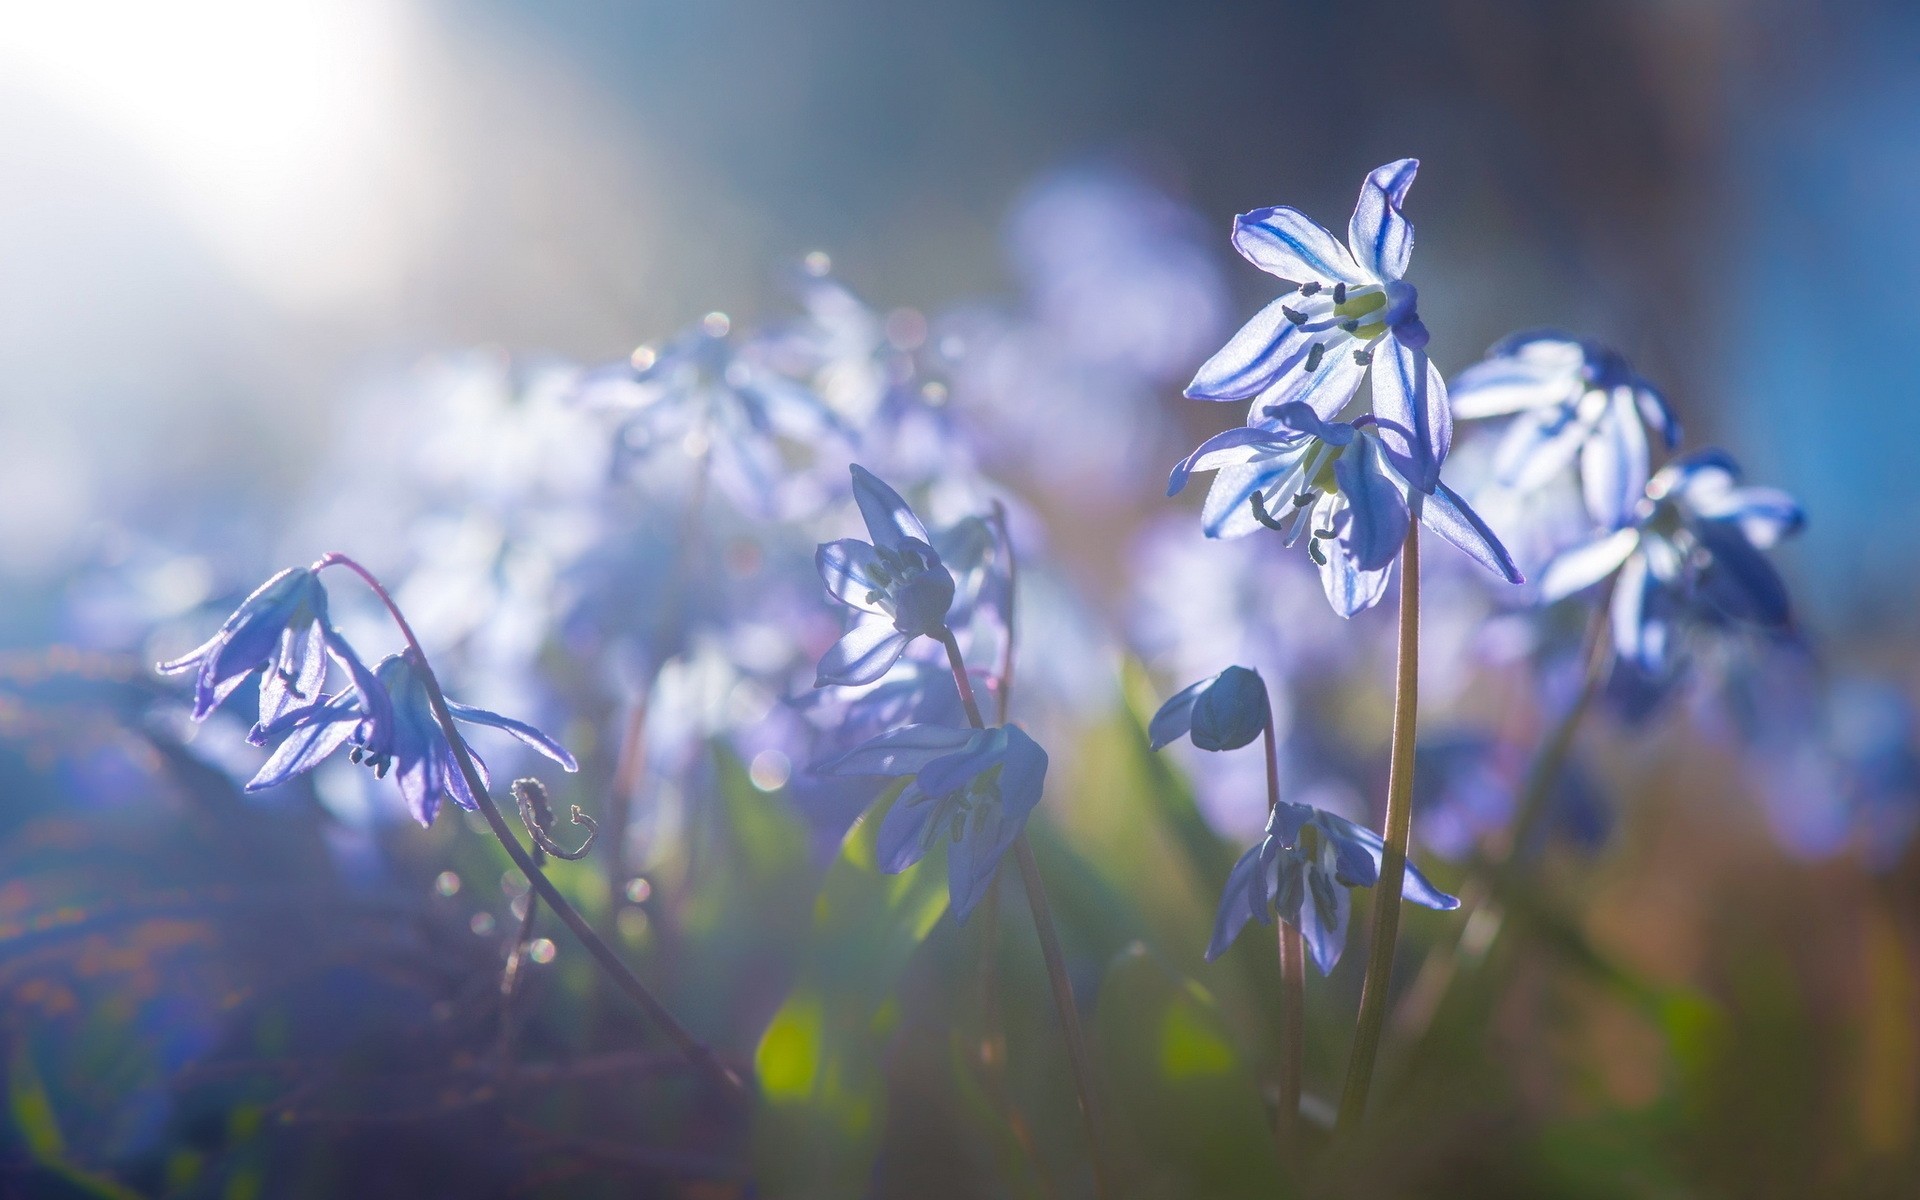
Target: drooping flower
[(388, 720), (280, 630), (1301, 870), (897, 581), (972, 788), (1299, 474), (1352, 313), (1690, 557), (1579, 404), (1223, 712)]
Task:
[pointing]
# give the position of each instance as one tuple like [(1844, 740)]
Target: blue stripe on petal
[(866, 653), (1448, 515), (1410, 404), (1381, 238), (1255, 357), (519, 730), (1286, 242), (1377, 516)]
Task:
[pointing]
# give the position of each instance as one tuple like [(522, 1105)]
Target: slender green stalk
[(1078, 1059), (1393, 858), (1293, 1036), (695, 1051)]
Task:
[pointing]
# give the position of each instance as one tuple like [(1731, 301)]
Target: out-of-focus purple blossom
[(1300, 475), (1577, 406), (971, 789), (388, 720), (1301, 870), (1352, 314), (1465, 787), (1691, 558), (841, 718), (897, 581), (716, 398)]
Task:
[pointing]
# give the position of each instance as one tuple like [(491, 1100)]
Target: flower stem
[(1293, 1036), (695, 1051), (1078, 1060), (1393, 857)]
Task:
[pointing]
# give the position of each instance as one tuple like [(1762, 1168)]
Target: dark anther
[(1261, 514), (536, 813), (1363, 357), (1310, 288), (1350, 326), (354, 755), (1315, 355), (1302, 499), (1339, 293), (1296, 318), (1314, 552)]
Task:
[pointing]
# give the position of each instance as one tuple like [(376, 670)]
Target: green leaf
[(1186, 1106), (821, 1060), (36, 1129)]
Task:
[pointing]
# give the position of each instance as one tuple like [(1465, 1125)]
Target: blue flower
[(1224, 712), (1578, 402), (388, 719), (718, 398), (972, 788), (1301, 870), (281, 630), (1464, 788), (1352, 312), (1691, 557), (897, 581), (1299, 474)]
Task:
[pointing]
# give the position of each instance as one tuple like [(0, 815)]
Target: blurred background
[(249, 250)]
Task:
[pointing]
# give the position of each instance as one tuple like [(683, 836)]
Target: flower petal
[(1324, 910), (902, 840), (1242, 897), (1531, 370), (1349, 588), (1614, 461), (1448, 515), (1326, 389), (846, 566), (1381, 238), (902, 751), (1377, 516), (519, 730), (1264, 349), (1584, 565), (1175, 718), (889, 518), (866, 653), (307, 744), (1410, 403), (1287, 243), (1234, 447)]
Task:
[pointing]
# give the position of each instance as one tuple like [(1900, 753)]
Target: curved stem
[(1393, 857), (695, 1051), (1293, 1035), (1078, 1060)]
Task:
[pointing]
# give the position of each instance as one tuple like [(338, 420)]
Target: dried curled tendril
[(536, 813)]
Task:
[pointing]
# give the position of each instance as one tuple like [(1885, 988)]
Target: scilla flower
[(1691, 556), (1579, 402), (897, 581), (388, 720), (1301, 871), (1336, 484), (281, 630), (1351, 314), (1224, 712), (972, 789)]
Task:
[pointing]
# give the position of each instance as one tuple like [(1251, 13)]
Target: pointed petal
[(902, 839), (1584, 565), (1420, 890), (952, 772), (1326, 389), (1228, 511), (902, 751), (1410, 403), (1537, 446), (1448, 515), (1239, 900), (1234, 447), (889, 518), (1614, 462), (1545, 374), (1324, 911), (1381, 238), (846, 566), (1628, 617), (304, 748), (519, 730), (1377, 516), (1265, 348), (1175, 718), (866, 653), (1350, 589), (1286, 242)]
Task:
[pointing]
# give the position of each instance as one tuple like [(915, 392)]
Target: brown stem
[(1393, 857), (1293, 1038), (621, 974)]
